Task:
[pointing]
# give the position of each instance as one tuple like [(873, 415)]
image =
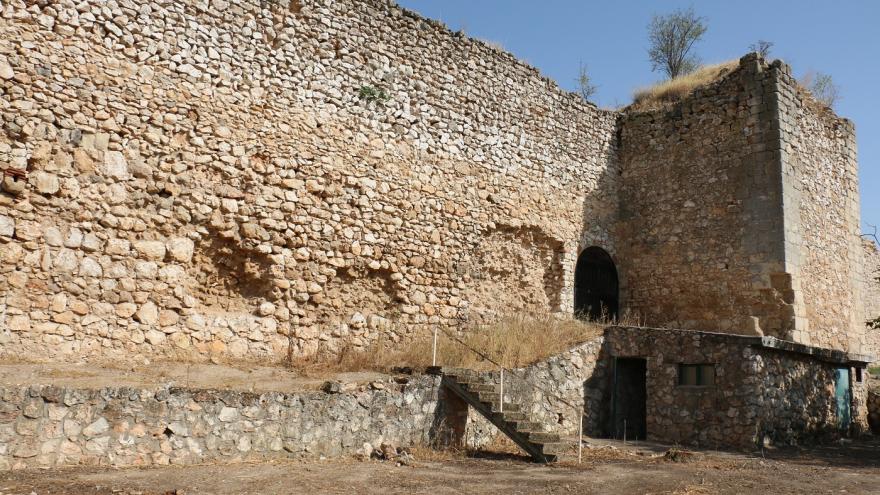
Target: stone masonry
[(748, 190), (212, 178), (45, 426), (871, 294), (763, 394), (263, 179)]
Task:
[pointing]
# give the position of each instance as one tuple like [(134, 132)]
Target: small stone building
[(722, 390)]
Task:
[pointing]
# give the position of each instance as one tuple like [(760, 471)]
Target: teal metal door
[(843, 396)]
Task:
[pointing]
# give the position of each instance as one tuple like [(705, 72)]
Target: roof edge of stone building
[(820, 353)]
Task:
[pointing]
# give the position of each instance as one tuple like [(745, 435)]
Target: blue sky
[(838, 38)]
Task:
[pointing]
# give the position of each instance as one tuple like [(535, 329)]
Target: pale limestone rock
[(180, 249), (228, 414), (7, 226), (98, 427), (151, 250), (148, 314), (90, 268), (154, 337), (168, 317), (6, 71), (267, 309), (74, 238), (65, 261), (91, 243), (45, 183), (126, 310), (120, 247), (115, 165), (52, 236), (145, 269)]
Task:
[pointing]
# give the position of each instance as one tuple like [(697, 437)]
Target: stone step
[(524, 425), (541, 437), (481, 387), (508, 407), (555, 448), (485, 397), (509, 416)]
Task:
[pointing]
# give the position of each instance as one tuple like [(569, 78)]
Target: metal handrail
[(578, 410)]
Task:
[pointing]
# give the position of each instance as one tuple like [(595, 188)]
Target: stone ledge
[(820, 353)]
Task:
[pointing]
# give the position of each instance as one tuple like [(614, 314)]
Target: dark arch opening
[(595, 285)]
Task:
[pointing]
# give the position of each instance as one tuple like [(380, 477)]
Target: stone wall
[(258, 179), (263, 179), (44, 426), (700, 231), (822, 220), (740, 212), (871, 293)]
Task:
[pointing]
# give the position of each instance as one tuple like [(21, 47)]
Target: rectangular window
[(859, 375), (696, 375)]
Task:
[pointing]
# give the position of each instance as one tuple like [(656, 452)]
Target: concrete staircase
[(485, 398)]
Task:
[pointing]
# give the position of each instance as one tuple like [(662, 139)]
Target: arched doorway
[(595, 285)]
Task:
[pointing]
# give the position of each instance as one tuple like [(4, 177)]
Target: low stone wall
[(44, 426)]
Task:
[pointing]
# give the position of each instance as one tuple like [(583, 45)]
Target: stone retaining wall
[(44, 426)]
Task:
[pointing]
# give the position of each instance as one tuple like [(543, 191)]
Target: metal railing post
[(580, 437), (501, 407), (434, 349)]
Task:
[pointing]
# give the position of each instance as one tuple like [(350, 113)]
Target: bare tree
[(671, 38), (822, 87), (585, 88), (762, 48)]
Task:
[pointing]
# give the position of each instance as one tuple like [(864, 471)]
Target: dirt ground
[(154, 375), (607, 469)]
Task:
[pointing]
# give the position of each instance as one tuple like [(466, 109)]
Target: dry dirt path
[(851, 470)]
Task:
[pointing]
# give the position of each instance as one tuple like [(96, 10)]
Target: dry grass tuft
[(674, 90), (514, 342)]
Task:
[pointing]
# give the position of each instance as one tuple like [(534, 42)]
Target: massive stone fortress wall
[(739, 211), (227, 177), (263, 179), (871, 292), (700, 224), (823, 249)]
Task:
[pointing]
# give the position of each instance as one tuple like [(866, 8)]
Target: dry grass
[(514, 342), (668, 92)]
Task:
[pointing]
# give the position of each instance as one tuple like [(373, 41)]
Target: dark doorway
[(595, 285), (629, 406)]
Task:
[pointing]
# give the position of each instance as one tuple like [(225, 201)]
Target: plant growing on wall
[(372, 93), (585, 88), (762, 48), (822, 87), (671, 41)]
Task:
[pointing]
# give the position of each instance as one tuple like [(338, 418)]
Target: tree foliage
[(585, 88), (822, 86), (671, 40), (762, 48)]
